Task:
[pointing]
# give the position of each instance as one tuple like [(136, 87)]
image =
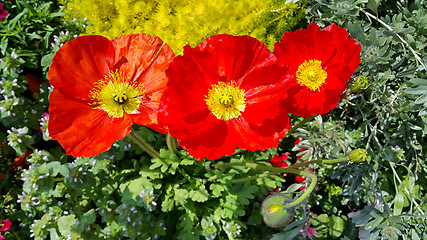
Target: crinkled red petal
[(340, 57), (225, 58), (80, 63), (82, 130), (145, 59)]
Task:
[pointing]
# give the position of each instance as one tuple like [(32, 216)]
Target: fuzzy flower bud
[(358, 155), (359, 84), (274, 211)]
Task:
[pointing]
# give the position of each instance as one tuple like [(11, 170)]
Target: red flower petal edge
[(323, 61), (102, 86), (5, 225), (225, 93)]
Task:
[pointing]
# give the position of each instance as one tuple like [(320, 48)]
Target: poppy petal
[(226, 66), (82, 130), (339, 56), (80, 63)]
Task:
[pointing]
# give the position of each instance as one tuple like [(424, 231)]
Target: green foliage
[(126, 194), (179, 23), (386, 193)]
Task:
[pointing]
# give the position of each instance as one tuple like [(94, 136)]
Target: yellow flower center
[(226, 100), (274, 208), (311, 74), (116, 95)]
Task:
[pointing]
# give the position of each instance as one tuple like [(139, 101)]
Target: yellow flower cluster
[(179, 22)]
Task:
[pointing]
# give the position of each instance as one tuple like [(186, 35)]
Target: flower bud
[(359, 84), (274, 211), (358, 155)]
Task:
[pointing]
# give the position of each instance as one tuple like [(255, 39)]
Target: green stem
[(338, 160), (306, 174), (170, 142), (300, 124), (307, 192), (240, 180), (276, 169), (143, 145)]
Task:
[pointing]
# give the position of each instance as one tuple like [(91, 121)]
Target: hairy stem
[(300, 124), (308, 190), (143, 145), (170, 142)]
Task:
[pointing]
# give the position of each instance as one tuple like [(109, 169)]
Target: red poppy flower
[(280, 161), (323, 61), (102, 86), (225, 93), (5, 225)]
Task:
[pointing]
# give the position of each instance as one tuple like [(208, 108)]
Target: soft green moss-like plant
[(189, 22)]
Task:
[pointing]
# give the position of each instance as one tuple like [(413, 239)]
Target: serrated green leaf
[(181, 195), (89, 217), (131, 189), (59, 190), (65, 223), (200, 194), (187, 161), (51, 168), (216, 189), (150, 173), (168, 203), (54, 235), (246, 192)]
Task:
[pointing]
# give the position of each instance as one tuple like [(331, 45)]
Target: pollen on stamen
[(116, 95), (311, 74), (226, 100)]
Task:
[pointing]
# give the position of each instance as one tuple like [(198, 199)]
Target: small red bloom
[(5, 225), (272, 191), (34, 82), (322, 61), (102, 86), (21, 161), (3, 13), (301, 150), (280, 161), (225, 93), (299, 179)]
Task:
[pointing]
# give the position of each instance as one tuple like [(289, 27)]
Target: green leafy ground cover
[(126, 194)]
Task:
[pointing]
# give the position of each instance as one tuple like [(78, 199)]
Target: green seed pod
[(359, 84), (273, 210), (358, 155)]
